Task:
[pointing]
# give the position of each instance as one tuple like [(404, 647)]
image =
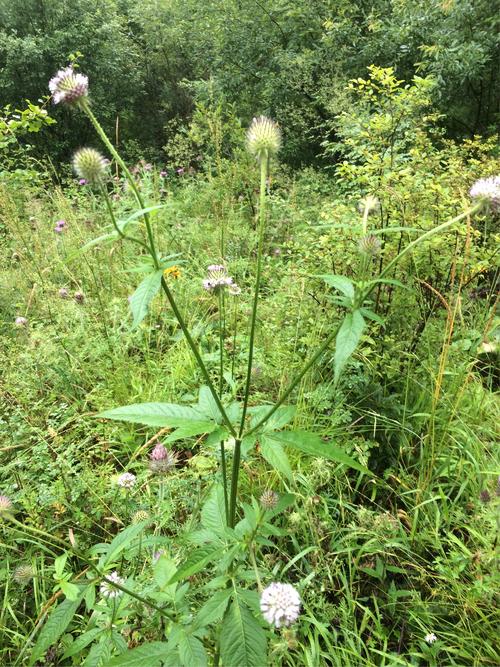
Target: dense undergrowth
[(382, 561)]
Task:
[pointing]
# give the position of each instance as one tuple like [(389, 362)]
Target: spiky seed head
[(269, 499), (263, 138), (369, 245), (6, 506), (23, 574), (90, 165), (140, 515), (69, 87)]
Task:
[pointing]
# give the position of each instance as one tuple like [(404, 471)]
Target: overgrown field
[(373, 490)]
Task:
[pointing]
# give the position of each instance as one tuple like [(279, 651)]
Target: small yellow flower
[(172, 272)]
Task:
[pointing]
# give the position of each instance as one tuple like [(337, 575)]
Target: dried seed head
[(23, 574), (140, 515), (90, 165), (69, 87), (263, 138), (269, 499), (369, 245)]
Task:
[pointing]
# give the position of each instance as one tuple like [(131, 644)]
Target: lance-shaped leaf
[(347, 340), (340, 283), (143, 295), (242, 638), (155, 414)]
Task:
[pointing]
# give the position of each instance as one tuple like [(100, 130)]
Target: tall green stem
[(364, 295), (262, 220)]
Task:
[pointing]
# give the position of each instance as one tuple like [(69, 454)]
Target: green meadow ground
[(380, 562)]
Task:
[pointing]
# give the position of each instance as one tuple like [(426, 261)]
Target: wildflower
[(269, 499), (63, 293), (69, 87), (218, 279), (487, 189), (263, 137), (430, 638), (21, 322), (126, 480), (107, 589), (79, 297), (90, 165), (140, 515), (485, 496), (163, 174), (280, 604), (82, 181), (180, 171), (172, 272), (157, 555), (369, 245), (6, 505), (59, 226), (161, 459), (23, 574)]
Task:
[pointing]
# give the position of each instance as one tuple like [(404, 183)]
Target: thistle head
[(263, 138), (23, 574), (218, 279), (269, 499), (370, 245), (69, 87), (161, 459), (90, 165), (488, 190)]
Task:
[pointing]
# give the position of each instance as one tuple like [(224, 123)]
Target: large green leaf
[(147, 654), (143, 295), (274, 454), (347, 340), (242, 638), (153, 414), (120, 542), (312, 444), (191, 651), (213, 513), (55, 625), (213, 609), (341, 283)]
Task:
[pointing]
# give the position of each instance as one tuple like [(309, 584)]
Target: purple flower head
[(159, 452), (163, 174), (161, 459), (126, 480), (79, 297), (21, 322), (180, 171), (69, 87), (63, 293), (59, 226), (6, 505), (82, 181)]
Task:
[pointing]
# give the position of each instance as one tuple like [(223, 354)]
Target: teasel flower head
[(69, 87), (23, 574), (126, 480), (487, 189), (6, 506), (280, 604), (369, 245), (162, 460), (218, 279), (107, 589), (140, 515), (90, 165), (269, 499), (263, 138)]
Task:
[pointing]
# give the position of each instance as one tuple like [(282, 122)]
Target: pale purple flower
[(82, 181), (161, 459), (69, 87), (63, 293), (59, 227), (126, 480), (157, 555), (487, 188), (6, 505), (163, 174), (218, 279), (180, 171), (430, 638), (107, 589), (21, 322), (280, 604)]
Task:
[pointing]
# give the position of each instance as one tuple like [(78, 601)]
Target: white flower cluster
[(218, 279), (487, 188), (107, 589), (280, 604), (126, 481), (69, 86)]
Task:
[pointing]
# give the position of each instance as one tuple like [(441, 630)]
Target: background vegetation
[(399, 100)]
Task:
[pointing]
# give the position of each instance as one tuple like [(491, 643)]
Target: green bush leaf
[(213, 513), (143, 295), (242, 639), (55, 625), (191, 651), (312, 444), (347, 340), (148, 654), (274, 454), (213, 609), (341, 283), (153, 414)]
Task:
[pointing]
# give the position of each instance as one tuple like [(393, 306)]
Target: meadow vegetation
[(248, 387)]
